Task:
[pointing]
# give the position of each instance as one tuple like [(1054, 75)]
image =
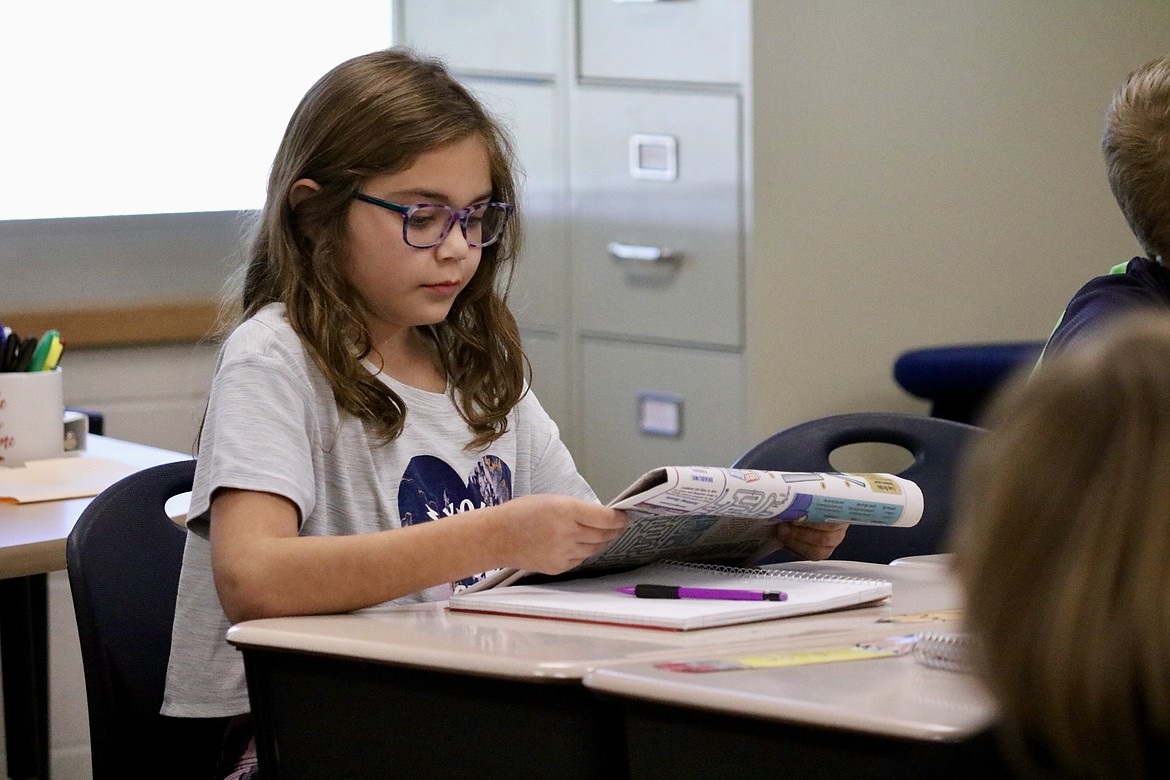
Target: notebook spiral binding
[(787, 574), (950, 651)]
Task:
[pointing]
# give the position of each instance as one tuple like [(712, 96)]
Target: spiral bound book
[(943, 650), (598, 599)]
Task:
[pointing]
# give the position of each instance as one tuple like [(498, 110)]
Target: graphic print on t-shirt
[(431, 490)]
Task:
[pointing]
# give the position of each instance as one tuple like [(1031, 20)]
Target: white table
[(32, 543), (420, 686)]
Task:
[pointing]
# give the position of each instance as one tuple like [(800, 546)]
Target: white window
[(148, 107)]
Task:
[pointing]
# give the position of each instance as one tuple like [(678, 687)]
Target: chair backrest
[(960, 379), (936, 445), (124, 556)]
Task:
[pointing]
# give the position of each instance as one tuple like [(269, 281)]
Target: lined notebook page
[(597, 600)]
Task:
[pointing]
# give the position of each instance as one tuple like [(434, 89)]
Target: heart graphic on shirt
[(431, 489)]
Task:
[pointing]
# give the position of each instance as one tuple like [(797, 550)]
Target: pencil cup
[(32, 409)]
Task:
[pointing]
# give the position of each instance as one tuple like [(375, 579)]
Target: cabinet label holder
[(653, 157)]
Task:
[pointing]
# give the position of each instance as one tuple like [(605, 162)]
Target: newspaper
[(726, 515)]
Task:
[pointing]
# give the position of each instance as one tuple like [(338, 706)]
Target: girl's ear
[(302, 189)]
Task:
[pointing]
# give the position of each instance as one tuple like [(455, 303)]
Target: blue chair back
[(960, 379)]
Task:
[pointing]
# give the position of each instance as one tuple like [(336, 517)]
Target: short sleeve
[(256, 436)]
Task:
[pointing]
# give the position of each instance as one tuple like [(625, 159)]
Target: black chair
[(124, 556), (935, 443)]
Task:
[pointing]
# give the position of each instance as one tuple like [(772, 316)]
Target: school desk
[(870, 718), (32, 543), (931, 559), (421, 691)]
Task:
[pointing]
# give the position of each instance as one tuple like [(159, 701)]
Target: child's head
[(373, 115), (1062, 548), (1137, 154)]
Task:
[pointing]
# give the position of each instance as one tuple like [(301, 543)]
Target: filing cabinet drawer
[(652, 171), (517, 36), (705, 41), (627, 387), (530, 112)]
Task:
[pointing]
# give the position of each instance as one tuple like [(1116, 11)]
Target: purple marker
[(674, 592)]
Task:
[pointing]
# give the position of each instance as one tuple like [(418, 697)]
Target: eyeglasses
[(425, 225)]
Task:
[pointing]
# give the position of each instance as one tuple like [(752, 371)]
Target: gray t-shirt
[(272, 425)]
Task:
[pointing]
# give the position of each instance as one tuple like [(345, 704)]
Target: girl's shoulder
[(266, 333), (265, 346)]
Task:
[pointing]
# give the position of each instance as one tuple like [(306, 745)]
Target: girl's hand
[(551, 534), (814, 541)]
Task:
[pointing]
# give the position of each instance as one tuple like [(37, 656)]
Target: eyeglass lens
[(426, 226)]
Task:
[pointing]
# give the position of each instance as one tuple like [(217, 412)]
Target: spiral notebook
[(942, 650), (597, 599)]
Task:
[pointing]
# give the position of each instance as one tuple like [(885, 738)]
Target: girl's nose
[(454, 245)]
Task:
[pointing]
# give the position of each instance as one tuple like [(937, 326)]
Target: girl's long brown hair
[(372, 115)]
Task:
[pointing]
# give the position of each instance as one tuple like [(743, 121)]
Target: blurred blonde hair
[(1062, 548), (1136, 145)]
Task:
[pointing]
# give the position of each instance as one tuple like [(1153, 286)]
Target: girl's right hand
[(551, 534)]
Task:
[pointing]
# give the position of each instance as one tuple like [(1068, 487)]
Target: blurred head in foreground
[(1063, 548)]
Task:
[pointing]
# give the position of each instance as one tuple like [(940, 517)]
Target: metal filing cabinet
[(656, 122)]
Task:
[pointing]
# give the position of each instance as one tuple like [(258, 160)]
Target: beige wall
[(938, 180)]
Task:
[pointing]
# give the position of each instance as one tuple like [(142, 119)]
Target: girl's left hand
[(813, 541)]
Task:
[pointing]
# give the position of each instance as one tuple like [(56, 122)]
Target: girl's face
[(401, 286)]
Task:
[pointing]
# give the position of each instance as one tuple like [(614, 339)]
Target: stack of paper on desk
[(54, 479), (597, 600)]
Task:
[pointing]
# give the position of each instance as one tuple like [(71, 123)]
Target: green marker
[(41, 354)]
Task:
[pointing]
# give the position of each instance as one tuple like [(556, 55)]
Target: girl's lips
[(444, 288)]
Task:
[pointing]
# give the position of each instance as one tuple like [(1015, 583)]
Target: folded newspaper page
[(706, 513)]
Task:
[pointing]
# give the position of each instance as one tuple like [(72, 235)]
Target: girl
[(375, 383)]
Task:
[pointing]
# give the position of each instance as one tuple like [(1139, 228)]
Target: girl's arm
[(263, 568)]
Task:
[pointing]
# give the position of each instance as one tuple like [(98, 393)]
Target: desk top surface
[(894, 696), (32, 536), (537, 649)]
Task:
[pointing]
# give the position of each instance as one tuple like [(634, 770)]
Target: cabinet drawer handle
[(641, 254)]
